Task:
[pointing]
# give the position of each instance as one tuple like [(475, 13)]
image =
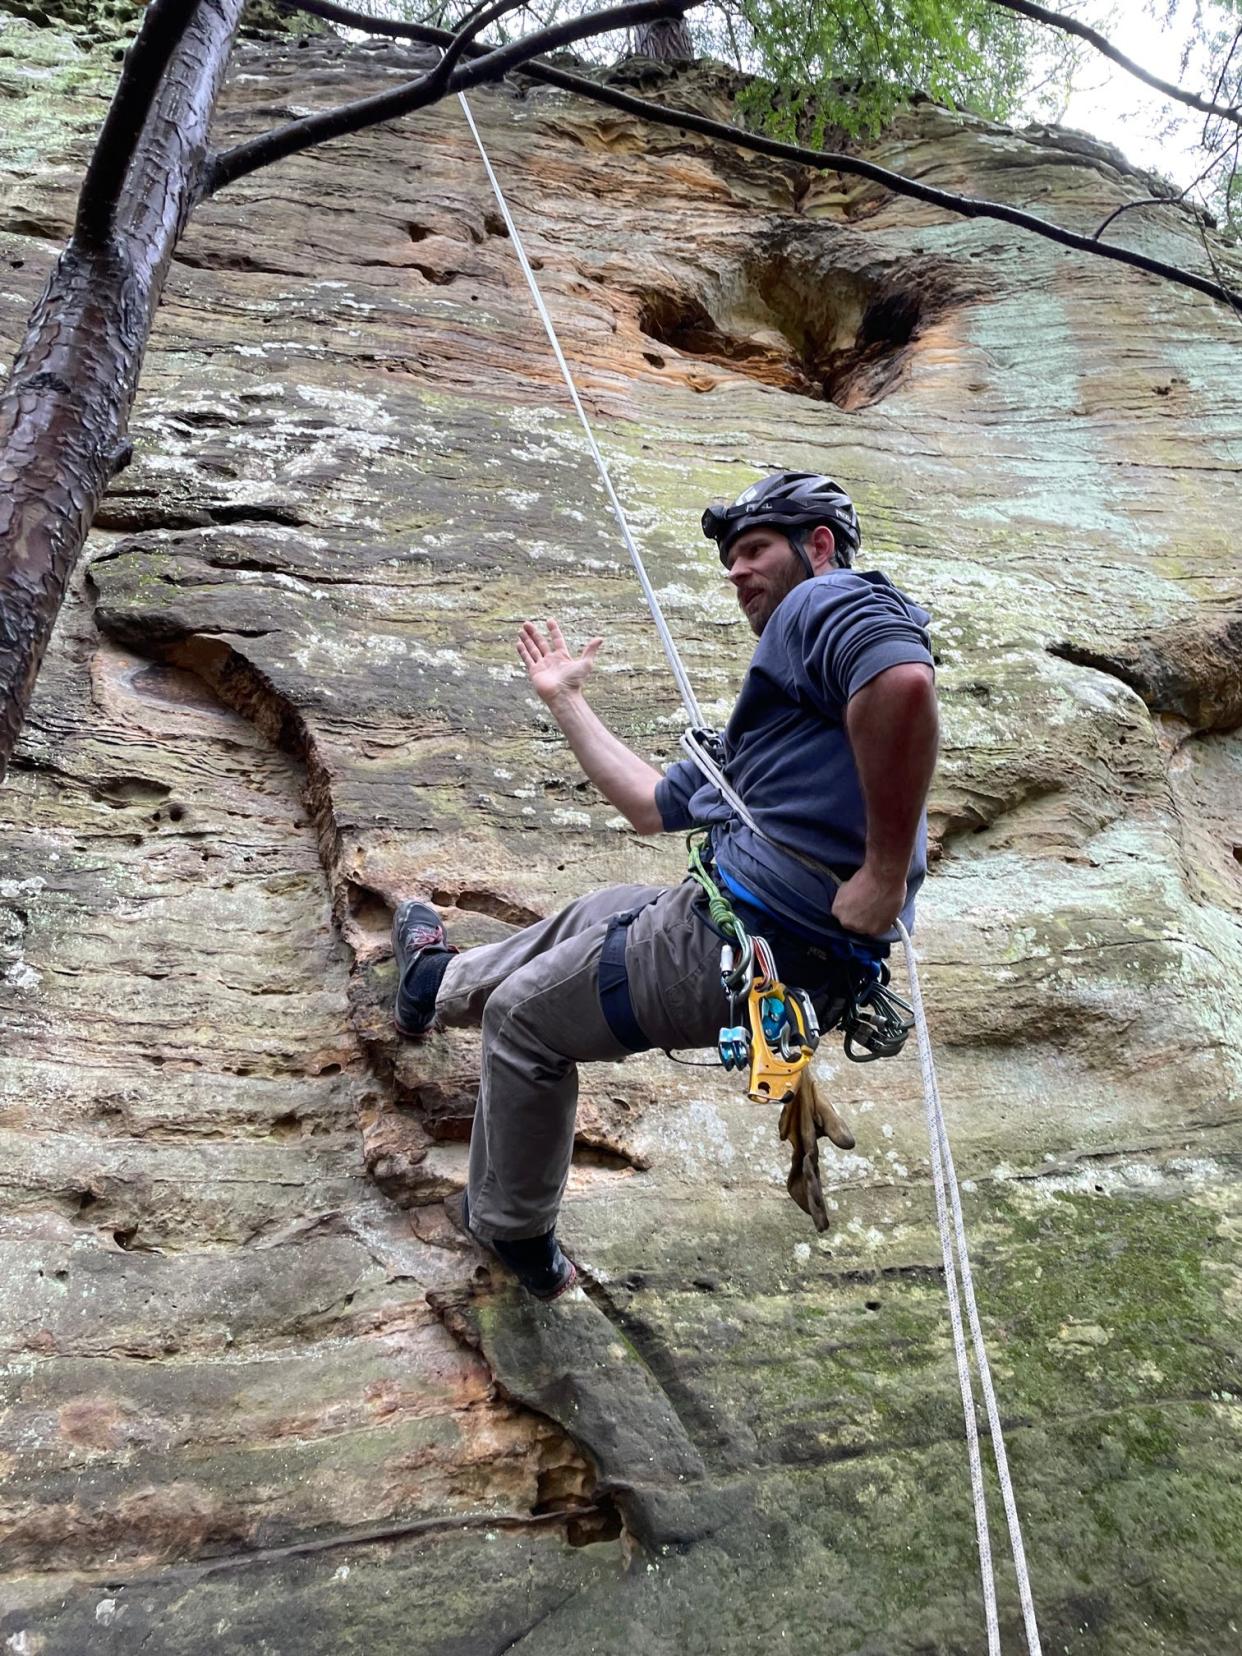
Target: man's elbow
[(908, 689), (645, 818), (908, 678)]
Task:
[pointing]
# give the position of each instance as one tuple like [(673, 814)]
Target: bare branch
[(1071, 25), (827, 161), (470, 26), (1216, 160), (1226, 61), (1211, 259), (428, 88), (426, 33), (162, 31), (1143, 201)]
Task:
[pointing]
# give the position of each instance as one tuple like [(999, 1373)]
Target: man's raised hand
[(553, 671)]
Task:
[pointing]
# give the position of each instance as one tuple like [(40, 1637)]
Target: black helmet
[(788, 500)]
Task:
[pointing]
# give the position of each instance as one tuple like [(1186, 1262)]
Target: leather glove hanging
[(805, 1119)]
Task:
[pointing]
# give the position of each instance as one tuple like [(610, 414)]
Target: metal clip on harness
[(780, 1031), (877, 1021)]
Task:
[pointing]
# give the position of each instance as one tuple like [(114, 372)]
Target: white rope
[(944, 1178), (957, 1259), (957, 1262)]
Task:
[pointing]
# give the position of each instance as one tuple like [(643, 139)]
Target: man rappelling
[(829, 754)]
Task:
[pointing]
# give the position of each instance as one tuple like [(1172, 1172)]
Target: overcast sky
[(1120, 109)]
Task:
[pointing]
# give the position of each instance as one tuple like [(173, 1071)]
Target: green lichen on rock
[(97, 21), (92, 21), (269, 17)]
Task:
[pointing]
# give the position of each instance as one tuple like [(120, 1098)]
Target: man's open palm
[(553, 671)]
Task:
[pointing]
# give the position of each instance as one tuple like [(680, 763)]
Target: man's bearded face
[(764, 568)]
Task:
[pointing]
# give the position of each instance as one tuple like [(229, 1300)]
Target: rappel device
[(780, 1032)]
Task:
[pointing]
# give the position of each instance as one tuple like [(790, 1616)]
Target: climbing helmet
[(787, 500)]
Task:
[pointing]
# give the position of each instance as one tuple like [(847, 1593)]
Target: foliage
[(1215, 48), (848, 65)]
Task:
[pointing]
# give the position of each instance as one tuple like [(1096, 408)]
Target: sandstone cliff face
[(256, 1397)]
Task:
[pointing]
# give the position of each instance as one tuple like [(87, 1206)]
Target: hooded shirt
[(788, 756)]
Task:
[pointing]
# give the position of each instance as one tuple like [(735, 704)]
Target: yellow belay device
[(777, 1031), (780, 1032)]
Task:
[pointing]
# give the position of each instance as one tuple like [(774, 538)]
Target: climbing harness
[(875, 1020), (704, 747), (772, 1030)]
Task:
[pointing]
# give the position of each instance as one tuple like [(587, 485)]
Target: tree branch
[(142, 72), (1144, 201), (1178, 200), (821, 160), (492, 64), (64, 408), (471, 25), (898, 183), (1071, 25)]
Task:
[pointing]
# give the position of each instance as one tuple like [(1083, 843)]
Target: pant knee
[(502, 1006), (512, 1017)]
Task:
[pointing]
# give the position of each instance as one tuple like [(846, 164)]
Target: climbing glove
[(805, 1119)]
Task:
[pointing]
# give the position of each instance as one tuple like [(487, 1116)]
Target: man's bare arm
[(558, 677), (893, 727)]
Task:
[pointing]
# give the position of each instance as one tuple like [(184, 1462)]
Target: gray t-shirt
[(787, 752)]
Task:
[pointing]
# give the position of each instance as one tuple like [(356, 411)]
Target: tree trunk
[(668, 40), (64, 411)]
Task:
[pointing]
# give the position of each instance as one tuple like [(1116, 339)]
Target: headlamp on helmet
[(787, 501)]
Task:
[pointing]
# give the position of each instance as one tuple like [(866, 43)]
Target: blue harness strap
[(614, 986)]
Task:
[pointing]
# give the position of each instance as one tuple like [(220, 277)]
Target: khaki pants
[(536, 995)]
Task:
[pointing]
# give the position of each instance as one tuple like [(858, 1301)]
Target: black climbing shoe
[(422, 956), (536, 1261)]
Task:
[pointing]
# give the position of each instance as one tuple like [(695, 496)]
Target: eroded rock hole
[(588, 1528), (817, 312), (439, 278), (368, 909), (481, 900), (684, 323)]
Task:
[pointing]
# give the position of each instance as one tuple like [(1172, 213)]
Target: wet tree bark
[(64, 411)]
